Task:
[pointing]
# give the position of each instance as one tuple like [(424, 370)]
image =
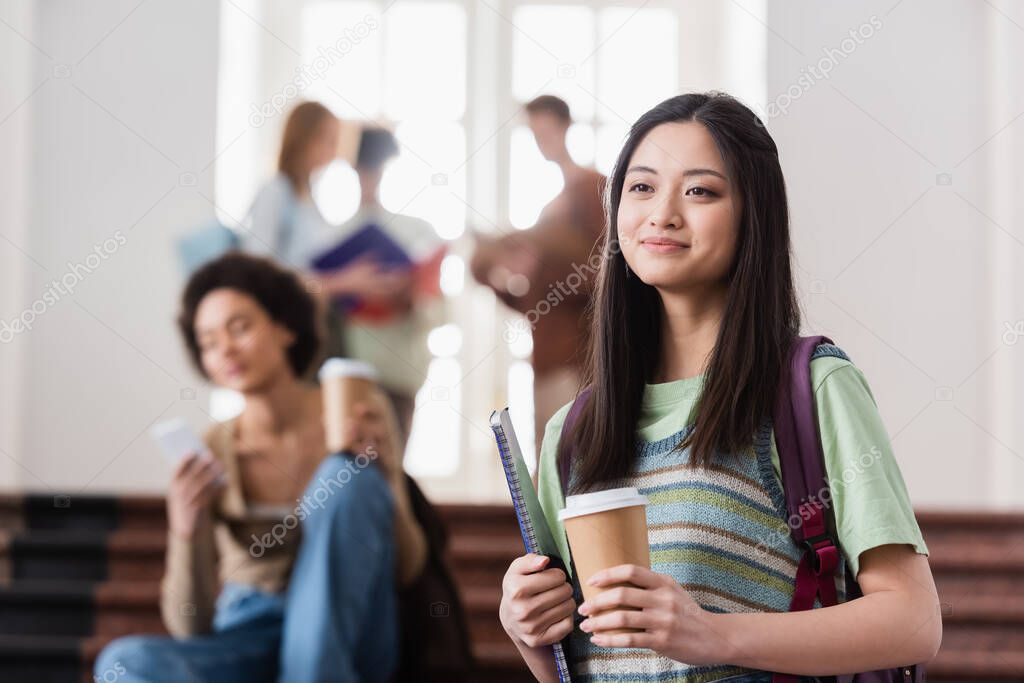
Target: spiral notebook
[(537, 536)]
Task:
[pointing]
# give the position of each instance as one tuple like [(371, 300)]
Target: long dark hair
[(760, 320)]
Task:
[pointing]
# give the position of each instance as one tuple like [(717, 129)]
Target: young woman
[(693, 317), (308, 548), (285, 223)]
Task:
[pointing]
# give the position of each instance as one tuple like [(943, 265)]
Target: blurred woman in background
[(309, 548), (285, 223)]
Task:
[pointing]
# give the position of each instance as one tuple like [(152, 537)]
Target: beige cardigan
[(220, 550), (226, 548)]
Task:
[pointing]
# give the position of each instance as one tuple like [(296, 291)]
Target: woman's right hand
[(367, 279), (195, 483), (536, 603)]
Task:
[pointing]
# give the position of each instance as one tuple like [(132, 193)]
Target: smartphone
[(176, 439)]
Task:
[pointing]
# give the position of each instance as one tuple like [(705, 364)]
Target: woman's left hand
[(673, 624)]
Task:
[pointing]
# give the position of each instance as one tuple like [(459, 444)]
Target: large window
[(450, 77), (409, 77), (591, 58), (415, 80)]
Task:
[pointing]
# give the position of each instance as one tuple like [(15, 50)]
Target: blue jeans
[(338, 620)]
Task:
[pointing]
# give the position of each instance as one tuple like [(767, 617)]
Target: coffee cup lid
[(601, 501), (347, 367)]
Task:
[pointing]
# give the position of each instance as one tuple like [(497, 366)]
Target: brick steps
[(977, 560), (138, 554), (21, 657), (963, 666), (72, 578)]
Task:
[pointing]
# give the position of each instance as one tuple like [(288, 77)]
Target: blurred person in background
[(310, 549), (396, 342), (541, 272), (285, 223)]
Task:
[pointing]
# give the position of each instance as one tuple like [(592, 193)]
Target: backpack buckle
[(822, 550)]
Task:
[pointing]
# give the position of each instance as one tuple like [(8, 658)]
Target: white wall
[(913, 277), (16, 57), (120, 135)]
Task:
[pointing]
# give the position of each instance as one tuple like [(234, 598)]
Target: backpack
[(213, 239), (435, 643), (803, 474), (206, 243)]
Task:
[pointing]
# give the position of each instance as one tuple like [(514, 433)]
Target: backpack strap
[(564, 463), (801, 461), (804, 481)]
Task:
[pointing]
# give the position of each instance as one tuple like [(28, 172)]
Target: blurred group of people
[(522, 267), (286, 225), (288, 562)]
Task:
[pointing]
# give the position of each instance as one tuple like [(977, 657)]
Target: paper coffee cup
[(344, 383), (606, 529)]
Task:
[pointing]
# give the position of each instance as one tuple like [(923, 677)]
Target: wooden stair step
[(956, 585), (985, 609), (36, 648), (488, 518), (485, 548), (122, 607), (41, 659), (982, 638), (83, 554), (46, 608), (989, 555), (976, 521), (972, 665)]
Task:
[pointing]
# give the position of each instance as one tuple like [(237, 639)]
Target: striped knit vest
[(721, 532)]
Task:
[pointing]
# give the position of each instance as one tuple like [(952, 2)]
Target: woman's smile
[(663, 245)]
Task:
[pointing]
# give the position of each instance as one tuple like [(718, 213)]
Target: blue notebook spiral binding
[(536, 536)]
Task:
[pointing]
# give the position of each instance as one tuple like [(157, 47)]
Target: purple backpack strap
[(564, 463), (796, 432), (805, 483)]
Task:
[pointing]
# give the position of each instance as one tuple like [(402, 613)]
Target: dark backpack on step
[(435, 645)]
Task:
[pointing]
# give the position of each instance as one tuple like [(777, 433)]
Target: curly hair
[(279, 292)]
